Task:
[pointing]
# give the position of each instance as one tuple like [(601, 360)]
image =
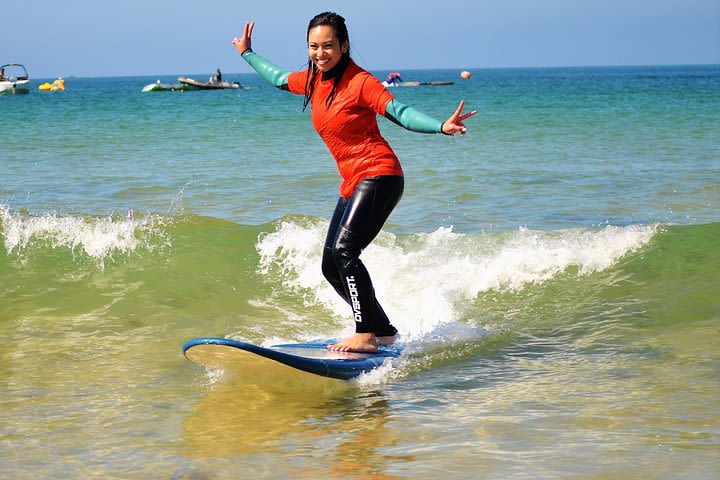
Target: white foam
[(384, 373), (95, 237), (430, 279)]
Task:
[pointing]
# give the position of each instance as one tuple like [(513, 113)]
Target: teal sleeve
[(411, 119), (268, 71)]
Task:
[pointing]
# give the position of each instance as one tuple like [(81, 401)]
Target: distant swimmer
[(344, 101)]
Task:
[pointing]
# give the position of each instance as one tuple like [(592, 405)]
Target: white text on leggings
[(352, 290)]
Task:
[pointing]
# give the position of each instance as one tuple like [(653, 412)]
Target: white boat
[(394, 80), (14, 79), (416, 84), (193, 84), (165, 87)]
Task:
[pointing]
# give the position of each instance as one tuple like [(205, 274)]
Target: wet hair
[(330, 19)]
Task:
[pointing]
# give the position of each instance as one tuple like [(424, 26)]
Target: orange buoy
[(465, 74)]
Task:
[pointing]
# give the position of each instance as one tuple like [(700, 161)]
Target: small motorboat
[(422, 84), (417, 84), (165, 87), (14, 79), (394, 80), (211, 85)]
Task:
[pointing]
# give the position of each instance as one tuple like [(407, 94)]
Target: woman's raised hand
[(245, 42), (455, 123)]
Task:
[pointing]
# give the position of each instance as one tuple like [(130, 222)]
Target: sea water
[(555, 275)]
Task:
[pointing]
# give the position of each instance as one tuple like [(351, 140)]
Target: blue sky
[(132, 37)]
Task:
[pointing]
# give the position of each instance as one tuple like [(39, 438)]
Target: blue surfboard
[(313, 357)]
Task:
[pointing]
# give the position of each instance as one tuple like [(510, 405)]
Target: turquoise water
[(555, 274)]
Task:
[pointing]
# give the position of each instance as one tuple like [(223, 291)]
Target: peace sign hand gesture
[(455, 123), (245, 42)]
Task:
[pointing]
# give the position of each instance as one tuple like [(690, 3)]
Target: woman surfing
[(344, 101)]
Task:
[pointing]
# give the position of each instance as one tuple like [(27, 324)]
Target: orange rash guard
[(349, 127)]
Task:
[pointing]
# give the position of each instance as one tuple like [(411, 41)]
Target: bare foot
[(360, 342), (386, 340)]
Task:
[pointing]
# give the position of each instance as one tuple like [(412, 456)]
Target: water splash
[(427, 280), (96, 237)]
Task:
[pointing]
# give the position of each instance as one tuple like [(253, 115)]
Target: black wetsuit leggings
[(356, 222)]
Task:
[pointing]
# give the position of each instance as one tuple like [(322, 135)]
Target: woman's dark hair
[(337, 23)]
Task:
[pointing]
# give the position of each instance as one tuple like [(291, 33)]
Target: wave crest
[(423, 280), (96, 237)]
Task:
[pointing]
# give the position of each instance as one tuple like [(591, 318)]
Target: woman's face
[(324, 47)]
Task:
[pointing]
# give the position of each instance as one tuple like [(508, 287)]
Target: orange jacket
[(349, 127)]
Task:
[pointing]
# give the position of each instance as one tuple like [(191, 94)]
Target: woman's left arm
[(416, 121)]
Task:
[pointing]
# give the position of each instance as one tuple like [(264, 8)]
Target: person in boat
[(393, 79), (344, 101), (217, 78)]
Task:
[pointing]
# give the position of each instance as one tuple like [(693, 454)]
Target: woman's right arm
[(271, 73)]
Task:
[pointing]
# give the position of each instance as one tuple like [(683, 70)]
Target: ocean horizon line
[(383, 69)]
